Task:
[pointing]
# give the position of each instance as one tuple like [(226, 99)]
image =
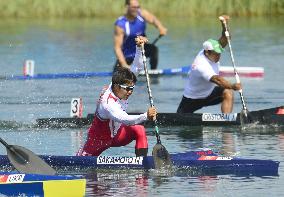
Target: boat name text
[(219, 117), (119, 160)]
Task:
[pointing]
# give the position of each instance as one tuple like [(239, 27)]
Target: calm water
[(86, 45)]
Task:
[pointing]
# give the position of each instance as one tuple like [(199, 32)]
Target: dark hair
[(127, 2), (122, 76)]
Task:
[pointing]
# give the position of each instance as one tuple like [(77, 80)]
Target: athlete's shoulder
[(200, 60), (111, 98), (107, 94), (140, 17), (120, 21)]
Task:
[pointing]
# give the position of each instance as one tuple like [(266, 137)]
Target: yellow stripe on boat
[(64, 188), (48, 188)]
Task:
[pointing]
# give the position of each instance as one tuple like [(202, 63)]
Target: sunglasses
[(134, 7), (127, 88)]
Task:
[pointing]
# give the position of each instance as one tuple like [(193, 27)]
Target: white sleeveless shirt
[(198, 84)]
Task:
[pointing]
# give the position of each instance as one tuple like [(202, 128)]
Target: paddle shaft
[(156, 40), (234, 66), (4, 143), (150, 93)]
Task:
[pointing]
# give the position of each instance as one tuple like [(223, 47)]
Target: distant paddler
[(204, 86), (130, 25), (112, 126)]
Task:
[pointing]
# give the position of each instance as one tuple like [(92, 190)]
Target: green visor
[(213, 45)]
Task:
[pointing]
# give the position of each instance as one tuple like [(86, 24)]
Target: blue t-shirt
[(131, 29)]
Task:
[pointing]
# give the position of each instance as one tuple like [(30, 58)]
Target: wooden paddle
[(245, 116), (25, 161), (160, 154)]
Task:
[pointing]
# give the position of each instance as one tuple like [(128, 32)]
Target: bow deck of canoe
[(17, 184), (262, 117), (203, 161)]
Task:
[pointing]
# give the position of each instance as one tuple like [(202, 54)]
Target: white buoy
[(76, 107), (29, 67)]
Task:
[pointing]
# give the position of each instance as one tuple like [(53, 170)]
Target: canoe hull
[(205, 162), (262, 117)]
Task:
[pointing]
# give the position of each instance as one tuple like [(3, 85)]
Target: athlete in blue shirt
[(128, 27)]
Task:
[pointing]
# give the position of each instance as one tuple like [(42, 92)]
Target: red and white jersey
[(111, 109)]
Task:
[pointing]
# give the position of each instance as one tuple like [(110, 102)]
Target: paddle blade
[(161, 157), (246, 117), (25, 161)]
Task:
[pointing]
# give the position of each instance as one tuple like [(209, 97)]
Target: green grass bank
[(111, 8)]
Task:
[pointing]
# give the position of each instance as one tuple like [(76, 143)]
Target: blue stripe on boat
[(30, 189)]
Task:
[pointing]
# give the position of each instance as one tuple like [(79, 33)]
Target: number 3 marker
[(76, 107)]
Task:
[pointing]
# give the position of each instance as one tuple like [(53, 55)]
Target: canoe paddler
[(204, 86), (112, 126), (130, 25)]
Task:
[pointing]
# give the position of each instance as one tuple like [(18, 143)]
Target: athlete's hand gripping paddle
[(160, 154), (245, 116)]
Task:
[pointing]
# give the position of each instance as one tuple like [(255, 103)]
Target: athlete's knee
[(140, 137), (228, 94), (140, 131)]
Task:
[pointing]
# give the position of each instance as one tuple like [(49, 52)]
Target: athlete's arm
[(118, 40), (223, 39), (150, 18), (220, 81), (114, 112), (152, 113), (137, 64)]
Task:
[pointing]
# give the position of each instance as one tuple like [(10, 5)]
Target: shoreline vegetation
[(111, 8)]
